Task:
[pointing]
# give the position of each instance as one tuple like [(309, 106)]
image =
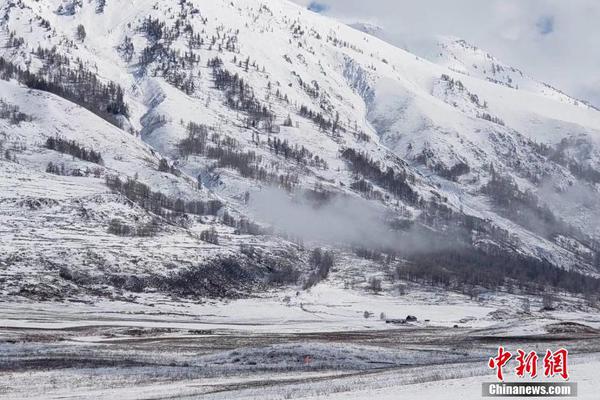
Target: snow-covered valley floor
[(316, 344)]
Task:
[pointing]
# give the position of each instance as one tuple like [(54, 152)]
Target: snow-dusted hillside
[(254, 131)]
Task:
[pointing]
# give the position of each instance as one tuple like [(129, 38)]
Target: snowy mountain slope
[(462, 57), (465, 58), (56, 223), (237, 97)]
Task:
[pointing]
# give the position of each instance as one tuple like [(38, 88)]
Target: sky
[(555, 41)]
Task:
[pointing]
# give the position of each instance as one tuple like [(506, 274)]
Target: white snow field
[(256, 348)]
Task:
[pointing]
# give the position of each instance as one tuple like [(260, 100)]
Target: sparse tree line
[(52, 58), (170, 63), (490, 118), (77, 85), (473, 98), (60, 169), (248, 164), (157, 30), (240, 96), (300, 154), (343, 44), (313, 90), (244, 226), (146, 229), (324, 123), (195, 142), (74, 149), (366, 188), (451, 83), (394, 182), (159, 203)]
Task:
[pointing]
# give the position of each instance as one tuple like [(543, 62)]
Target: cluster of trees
[(490, 118), (394, 182), (321, 262), (100, 4), (121, 228), (219, 277), (69, 7), (56, 169), (366, 187), (14, 41), (171, 65), (361, 136), (52, 58), (374, 284), (77, 85), (164, 166), (369, 253), (312, 89), (74, 149), (474, 99), (240, 96), (157, 202), (244, 225), (195, 142), (460, 266), (301, 154), (248, 164), (12, 113), (6, 154), (324, 123), (452, 173), (155, 29), (522, 206), (452, 83), (210, 236)]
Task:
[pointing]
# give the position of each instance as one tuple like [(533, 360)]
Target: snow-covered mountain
[(206, 147)]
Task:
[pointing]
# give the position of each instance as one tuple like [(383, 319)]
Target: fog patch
[(339, 220)]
